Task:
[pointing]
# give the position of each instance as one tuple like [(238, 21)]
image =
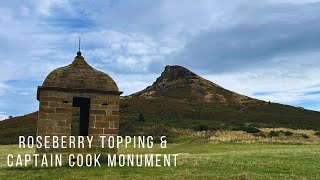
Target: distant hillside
[(11, 129), (181, 98)]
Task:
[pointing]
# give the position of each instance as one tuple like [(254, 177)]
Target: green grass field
[(196, 160)]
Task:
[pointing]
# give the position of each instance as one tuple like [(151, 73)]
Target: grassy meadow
[(198, 159)]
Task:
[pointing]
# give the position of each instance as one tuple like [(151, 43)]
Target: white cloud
[(131, 41), (126, 52), (284, 79), (133, 83), (44, 7)]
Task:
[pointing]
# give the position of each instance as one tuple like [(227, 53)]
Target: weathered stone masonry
[(57, 98)]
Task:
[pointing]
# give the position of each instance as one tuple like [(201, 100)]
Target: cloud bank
[(265, 49)]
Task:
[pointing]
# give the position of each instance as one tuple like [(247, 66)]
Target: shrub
[(317, 133), (288, 133), (141, 117), (247, 129), (201, 127), (305, 136), (274, 133)]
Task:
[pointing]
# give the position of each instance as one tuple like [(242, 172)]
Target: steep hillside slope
[(180, 83)]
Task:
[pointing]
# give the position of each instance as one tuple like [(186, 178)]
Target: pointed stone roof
[(79, 76)]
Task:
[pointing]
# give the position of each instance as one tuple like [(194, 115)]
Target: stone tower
[(78, 100)]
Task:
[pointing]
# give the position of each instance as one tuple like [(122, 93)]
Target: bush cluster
[(274, 133), (305, 136), (201, 127), (277, 133), (247, 129), (288, 133), (317, 133)]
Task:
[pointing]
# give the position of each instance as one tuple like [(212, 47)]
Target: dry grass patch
[(268, 135)]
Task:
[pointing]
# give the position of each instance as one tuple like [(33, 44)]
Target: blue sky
[(267, 49)]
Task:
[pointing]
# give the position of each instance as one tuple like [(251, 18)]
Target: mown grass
[(197, 160)]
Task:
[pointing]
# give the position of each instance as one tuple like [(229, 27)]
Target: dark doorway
[(83, 125)]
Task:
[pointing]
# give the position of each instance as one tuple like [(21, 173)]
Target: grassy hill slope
[(190, 114), (11, 129)]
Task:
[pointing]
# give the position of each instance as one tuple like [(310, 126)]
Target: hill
[(182, 99), (12, 128), (180, 83)]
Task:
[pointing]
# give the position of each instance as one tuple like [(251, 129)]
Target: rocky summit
[(179, 82)]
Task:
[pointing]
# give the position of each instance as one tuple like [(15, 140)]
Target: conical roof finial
[(79, 52)]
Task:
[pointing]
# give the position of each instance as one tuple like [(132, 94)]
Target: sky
[(268, 49)]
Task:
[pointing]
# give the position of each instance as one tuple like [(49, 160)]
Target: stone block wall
[(55, 117)]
